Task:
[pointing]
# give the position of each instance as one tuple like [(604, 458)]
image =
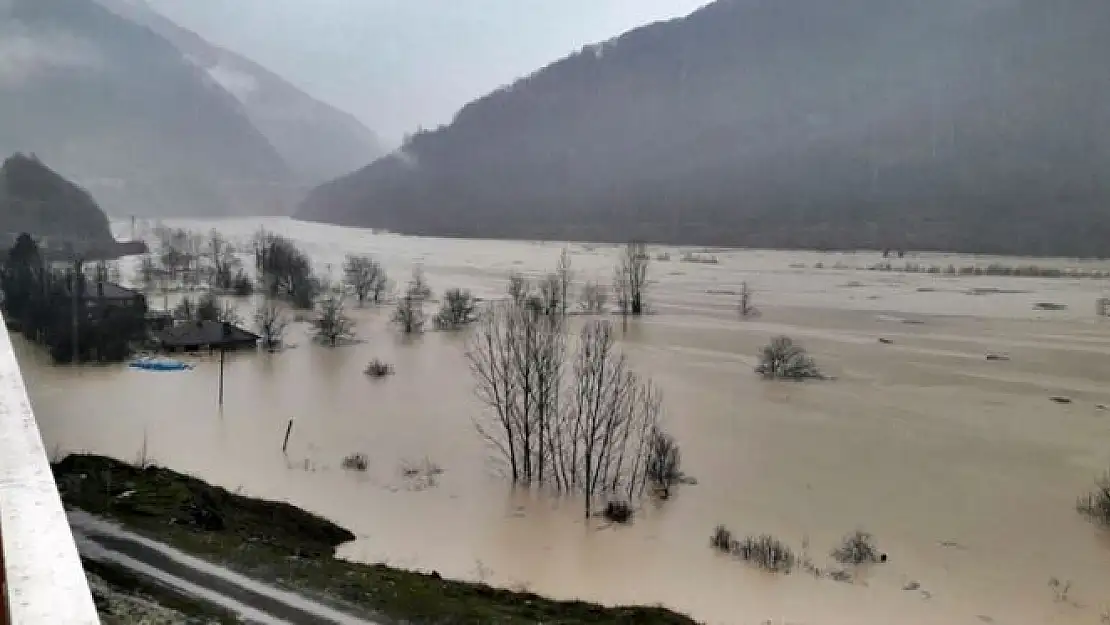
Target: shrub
[(242, 285), (378, 369), (456, 311), (663, 462), (766, 552), (618, 512), (721, 540), (1096, 504), (355, 462), (783, 358), (858, 548)]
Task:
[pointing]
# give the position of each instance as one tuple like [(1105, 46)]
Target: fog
[(403, 65)]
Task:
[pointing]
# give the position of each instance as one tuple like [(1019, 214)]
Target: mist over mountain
[(316, 140), (966, 125), (116, 108)]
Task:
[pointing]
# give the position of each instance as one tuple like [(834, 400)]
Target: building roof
[(201, 333)]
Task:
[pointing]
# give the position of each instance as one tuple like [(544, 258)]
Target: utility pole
[(76, 282), (222, 376)]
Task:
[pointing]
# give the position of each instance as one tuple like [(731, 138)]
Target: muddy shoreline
[(280, 544)]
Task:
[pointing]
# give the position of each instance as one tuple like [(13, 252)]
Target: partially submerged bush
[(456, 311), (617, 512), (764, 551), (783, 358), (378, 369), (1096, 504), (355, 462), (721, 540), (858, 548)]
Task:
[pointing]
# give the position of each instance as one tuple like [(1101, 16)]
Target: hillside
[(36, 200), (115, 107), (316, 140), (967, 125)]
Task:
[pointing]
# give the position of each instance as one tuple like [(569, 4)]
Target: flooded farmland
[(962, 467)]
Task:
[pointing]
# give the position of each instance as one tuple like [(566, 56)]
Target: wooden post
[(288, 431), (222, 376)]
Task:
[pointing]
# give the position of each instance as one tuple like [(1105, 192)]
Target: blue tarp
[(160, 364)]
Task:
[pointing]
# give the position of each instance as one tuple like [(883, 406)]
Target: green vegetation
[(280, 543)]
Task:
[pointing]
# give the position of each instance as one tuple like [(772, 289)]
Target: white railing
[(42, 574)]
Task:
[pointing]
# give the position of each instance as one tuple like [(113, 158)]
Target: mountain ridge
[(962, 125), (316, 139), (115, 107)]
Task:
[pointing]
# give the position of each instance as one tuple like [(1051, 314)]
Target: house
[(110, 294), (193, 336)]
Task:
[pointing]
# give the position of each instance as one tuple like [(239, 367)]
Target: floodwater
[(963, 469)]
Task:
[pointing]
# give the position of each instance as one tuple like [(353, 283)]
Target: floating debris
[(886, 341), (994, 356), (1060, 399)]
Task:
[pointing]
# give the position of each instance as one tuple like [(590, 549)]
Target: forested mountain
[(36, 200), (969, 125), (115, 107), (316, 140)]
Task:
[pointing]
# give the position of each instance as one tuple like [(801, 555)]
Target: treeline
[(49, 305)]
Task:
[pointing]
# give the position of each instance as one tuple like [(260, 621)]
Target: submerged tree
[(630, 279), (286, 271), (409, 314), (366, 276), (589, 433), (271, 322), (592, 299), (331, 322), (457, 310), (783, 358)]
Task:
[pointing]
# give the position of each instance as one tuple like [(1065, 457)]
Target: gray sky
[(400, 64)]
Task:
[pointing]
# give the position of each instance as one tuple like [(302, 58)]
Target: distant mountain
[(37, 200), (318, 141), (968, 125), (115, 107)]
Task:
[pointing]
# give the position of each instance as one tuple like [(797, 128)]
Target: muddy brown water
[(963, 469)]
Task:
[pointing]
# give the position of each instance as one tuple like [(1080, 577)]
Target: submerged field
[(962, 467)]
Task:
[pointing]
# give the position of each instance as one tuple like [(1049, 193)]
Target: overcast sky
[(400, 64)]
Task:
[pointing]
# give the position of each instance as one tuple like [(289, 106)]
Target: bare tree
[(517, 355), (366, 276), (409, 314), (271, 323), (564, 275), (592, 299), (630, 279), (331, 322), (457, 310), (418, 285), (591, 435)]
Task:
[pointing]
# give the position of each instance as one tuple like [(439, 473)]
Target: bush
[(766, 552), (1096, 504), (456, 311), (617, 512), (378, 369), (858, 548), (721, 540), (355, 462), (783, 358)]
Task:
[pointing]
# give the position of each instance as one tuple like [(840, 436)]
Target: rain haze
[(399, 65)]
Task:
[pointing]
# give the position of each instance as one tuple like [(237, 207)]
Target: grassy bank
[(282, 544)]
